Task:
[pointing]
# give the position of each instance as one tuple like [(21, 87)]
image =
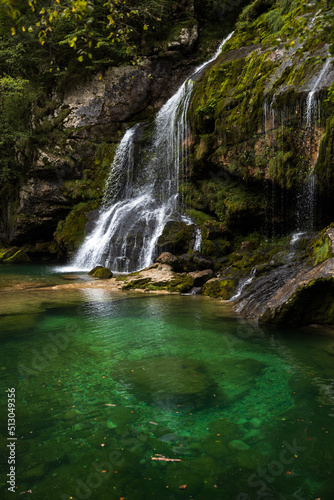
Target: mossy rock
[(182, 283), (216, 249), (140, 283), (20, 257), (70, 233), (213, 230), (6, 253), (222, 288), (100, 272), (321, 248), (92, 271), (177, 237)]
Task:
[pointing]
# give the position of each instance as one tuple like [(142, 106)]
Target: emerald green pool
[(109, 385)]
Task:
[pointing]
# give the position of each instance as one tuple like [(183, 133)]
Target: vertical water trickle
[(270, 121), (306, 202), (142, 189)]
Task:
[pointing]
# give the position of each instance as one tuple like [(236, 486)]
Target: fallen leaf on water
[(288, 472), (165, 459)]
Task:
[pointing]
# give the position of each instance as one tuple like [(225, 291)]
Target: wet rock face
[(292, 295), (307, 298), (122, 92), (177, 237), (86, 118)]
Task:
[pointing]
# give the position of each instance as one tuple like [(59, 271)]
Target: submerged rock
[(167, 382)]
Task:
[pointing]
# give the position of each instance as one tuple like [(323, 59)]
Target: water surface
[(110, 385)]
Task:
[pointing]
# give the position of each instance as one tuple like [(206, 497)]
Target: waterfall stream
[(306, 203), (141, 193)]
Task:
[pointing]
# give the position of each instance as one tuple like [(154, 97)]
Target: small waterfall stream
[(306, 202), (141, 192)]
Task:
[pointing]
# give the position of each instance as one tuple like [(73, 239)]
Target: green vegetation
[(70, 233)]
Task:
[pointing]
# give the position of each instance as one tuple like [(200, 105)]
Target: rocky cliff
[(259, 161)]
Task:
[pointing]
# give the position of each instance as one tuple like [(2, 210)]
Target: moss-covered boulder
[(222, 288), (19, 257), (70, 232), (216, 249), (182, 283), (100, 272), (177, 237)]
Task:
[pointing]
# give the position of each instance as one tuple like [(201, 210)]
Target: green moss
[(70, 233), (324, 168), (320, 248), (100, 272), (182, 283), (216, 248), (219, 288), (19, 257), (6, 253), (140, 283), (176, 237)]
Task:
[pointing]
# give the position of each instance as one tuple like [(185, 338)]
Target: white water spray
[(141, 192)]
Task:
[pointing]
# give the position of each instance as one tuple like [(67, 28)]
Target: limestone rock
[(307, 298), (167, 258), (185, 39), (201, 277)]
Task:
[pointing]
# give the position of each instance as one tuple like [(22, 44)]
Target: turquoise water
[(109, 385)]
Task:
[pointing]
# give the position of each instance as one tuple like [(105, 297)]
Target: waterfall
[(306, 202), (311, 109), (242, 285), (141, 192)]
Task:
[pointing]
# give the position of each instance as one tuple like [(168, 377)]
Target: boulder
[(167, 258), (100, 272), (177, 237), (202, 262), (201, 277), (222, 288)]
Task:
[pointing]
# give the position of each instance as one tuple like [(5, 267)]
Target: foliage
[(15, 99), (104, 30)]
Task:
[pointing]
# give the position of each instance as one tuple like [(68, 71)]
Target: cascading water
[(142, 190), (307, 197)]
